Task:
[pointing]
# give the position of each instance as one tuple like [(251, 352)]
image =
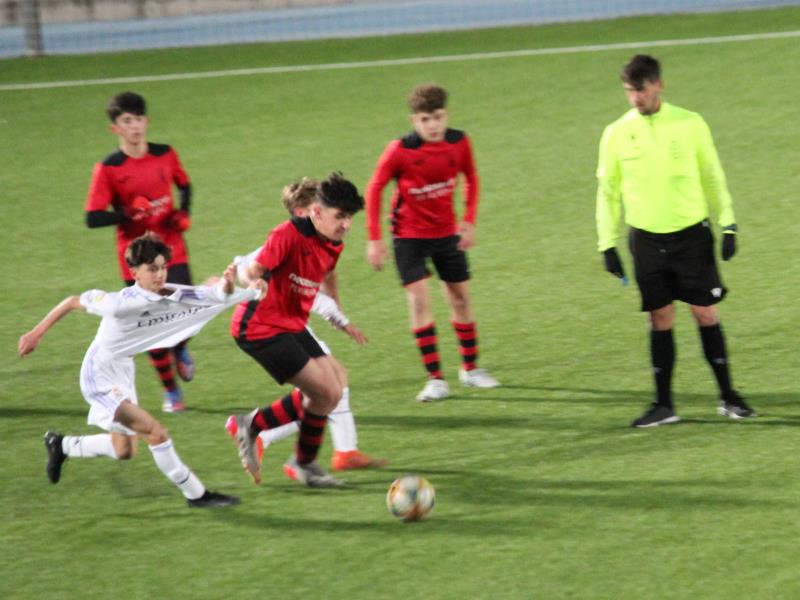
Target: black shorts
[(175, 274), (411, 254), (676, 266), (283, 355)]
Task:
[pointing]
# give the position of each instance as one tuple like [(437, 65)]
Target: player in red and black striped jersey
[(132, 189), (299, 258), (426, 165)]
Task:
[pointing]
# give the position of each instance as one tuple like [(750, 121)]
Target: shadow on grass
[(27, 411)]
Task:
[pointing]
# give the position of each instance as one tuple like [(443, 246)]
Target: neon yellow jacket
[(664, 170)]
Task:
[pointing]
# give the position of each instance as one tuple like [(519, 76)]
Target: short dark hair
[(641, 68), (338, 192), (427, 98), (145, 249), (126, 102)]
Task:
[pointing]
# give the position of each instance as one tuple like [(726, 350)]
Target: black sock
[(716, 355), (662, 354)]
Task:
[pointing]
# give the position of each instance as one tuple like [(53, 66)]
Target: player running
[(149, 314), (296, 198), (298, 258)]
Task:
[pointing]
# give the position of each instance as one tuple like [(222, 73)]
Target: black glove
[(728, 242), (613, 263)]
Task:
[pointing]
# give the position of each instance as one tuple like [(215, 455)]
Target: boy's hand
[(260, 285), (355, 333), (178, 220), (466, 231), (229, 276), (139, 209), (376, 253), (27, 343)]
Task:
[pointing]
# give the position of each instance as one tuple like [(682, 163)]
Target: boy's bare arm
[(29, 341), (330, 286)]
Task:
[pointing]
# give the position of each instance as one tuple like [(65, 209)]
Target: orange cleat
[(231, 428), (354, 459)]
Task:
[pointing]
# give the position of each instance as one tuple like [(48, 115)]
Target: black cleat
[(656, 415), (55, 455), (212, 499), (734, 406)]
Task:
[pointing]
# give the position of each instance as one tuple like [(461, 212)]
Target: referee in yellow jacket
[(658, 166)]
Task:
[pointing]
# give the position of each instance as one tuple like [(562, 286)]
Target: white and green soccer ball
[(410, 498)]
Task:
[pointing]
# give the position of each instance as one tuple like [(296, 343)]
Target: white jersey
[(324, 305), (135, 320)]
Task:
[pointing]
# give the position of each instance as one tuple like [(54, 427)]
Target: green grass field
[(542, 489)]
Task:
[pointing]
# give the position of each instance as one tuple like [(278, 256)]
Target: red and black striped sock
[(426, 342), (162, 361), (282, 411), (311, 429), (467, 344)]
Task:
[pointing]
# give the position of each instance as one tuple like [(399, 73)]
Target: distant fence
[(33, 27)]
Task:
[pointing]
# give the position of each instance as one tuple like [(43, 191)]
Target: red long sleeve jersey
[(426, 174), (298, 261), (120, 178)]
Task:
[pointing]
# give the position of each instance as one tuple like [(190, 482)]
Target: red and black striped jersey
[(298, 260), (119, 179), (426, 174)]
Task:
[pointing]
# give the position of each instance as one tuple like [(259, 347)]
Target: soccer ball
[(410, 498)]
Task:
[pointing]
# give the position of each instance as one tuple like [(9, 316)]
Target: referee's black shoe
[(212, 499), (55, 455), (734, 406), (656, 415)]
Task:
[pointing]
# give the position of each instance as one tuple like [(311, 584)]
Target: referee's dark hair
[(641, 68), (145, 249), (338, 192), (126, 102)]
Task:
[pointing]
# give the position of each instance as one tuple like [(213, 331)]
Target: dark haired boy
[(297, 197), (137, 318), (136, 183), (426, 165), (299, 258), (659, 162)]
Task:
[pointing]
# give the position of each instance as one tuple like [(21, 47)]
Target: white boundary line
[(405, 61)]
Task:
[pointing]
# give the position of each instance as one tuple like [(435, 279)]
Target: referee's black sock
[(714, 348), (662, 354)]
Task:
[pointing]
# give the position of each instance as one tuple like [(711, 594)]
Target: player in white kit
[(149, 314)]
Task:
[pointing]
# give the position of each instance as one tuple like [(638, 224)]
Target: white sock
[(168, 461), (343, 425), (273, 435), (88, 446)]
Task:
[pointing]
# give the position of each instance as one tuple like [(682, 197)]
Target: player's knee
[(125, 453), (158, 434), (333, 394), (123, 449), (705, 317), (326, 398), (341, 372)]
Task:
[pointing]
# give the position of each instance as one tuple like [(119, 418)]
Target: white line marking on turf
[(405, 61)]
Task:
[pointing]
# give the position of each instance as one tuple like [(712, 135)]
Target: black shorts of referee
[(676, 266), (283, 355)]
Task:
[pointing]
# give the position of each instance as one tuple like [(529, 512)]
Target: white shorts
[(106, 381), (322, 344)]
